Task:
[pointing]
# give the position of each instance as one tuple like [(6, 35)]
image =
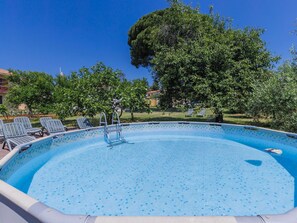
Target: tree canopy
[(87, 92), (35, 89), (133, 95), (198, 58), (92, 90), (276, 98)]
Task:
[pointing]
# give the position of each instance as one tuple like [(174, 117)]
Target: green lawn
[(166, 116), (178, 116)]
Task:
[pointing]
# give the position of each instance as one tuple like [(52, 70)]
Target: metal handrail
[(115, 115), (108, 130), (102, 115)]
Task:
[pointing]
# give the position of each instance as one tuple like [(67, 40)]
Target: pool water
[(162, 175)]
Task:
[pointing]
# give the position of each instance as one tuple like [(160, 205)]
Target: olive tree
[(35, 89), (276, 98), (93, 90), (88, 91), (133, 95)]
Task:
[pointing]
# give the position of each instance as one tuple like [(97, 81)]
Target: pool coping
[(28, 208)]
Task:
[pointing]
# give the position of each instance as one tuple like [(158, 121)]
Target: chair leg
[(9, 146), (4, 143)]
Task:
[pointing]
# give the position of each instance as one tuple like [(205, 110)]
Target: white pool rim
[(18, 207)]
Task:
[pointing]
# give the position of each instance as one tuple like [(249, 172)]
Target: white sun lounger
[(28, 126), (83, 123), (15, 134), (55, 126)]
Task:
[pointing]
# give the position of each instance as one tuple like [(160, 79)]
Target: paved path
[(3, 152)]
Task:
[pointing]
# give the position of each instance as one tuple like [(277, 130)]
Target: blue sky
[(43, 35)]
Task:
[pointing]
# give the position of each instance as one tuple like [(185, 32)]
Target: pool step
[(112, 129)]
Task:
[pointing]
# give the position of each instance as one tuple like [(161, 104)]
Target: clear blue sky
[(42, 35)]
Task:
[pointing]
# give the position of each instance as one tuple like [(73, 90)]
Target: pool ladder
[(115, 127)]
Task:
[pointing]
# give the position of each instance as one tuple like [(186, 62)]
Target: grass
[(241, 119), (180, 116)]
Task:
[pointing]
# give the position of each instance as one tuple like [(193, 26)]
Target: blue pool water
[(161, 174)]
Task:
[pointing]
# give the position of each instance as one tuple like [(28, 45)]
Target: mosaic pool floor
[(165, 176)]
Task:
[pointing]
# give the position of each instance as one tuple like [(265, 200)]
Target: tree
[(66, 96), (276, 98), (199, 58), (92, 90), (87, 92), (134, 96), (35, 89)]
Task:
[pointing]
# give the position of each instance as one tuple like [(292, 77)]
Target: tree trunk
[(219, 117), (132, 116)]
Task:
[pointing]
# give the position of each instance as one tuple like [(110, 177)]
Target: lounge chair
[(43, 121), (190, 112), (15, 134), (54, 126), (1, 129), (83, 123), (28, 126), (202, 112)]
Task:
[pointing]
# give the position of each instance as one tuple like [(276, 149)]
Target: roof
[(5, 72), (155, 91)]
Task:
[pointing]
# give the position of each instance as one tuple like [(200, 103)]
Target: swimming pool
[(165, 169)]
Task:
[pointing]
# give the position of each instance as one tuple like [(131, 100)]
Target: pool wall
[(16, 206)]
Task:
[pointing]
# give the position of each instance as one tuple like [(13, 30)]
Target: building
[(153, 97), (3, 84)]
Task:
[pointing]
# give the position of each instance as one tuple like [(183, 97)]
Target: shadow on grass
[(259, 124), (238, 116)]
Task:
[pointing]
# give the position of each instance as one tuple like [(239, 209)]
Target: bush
[(3, 110)]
